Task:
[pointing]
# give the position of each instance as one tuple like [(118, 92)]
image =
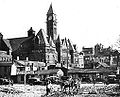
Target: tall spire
[(50, 11)]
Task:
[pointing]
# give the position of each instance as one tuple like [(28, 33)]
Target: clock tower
[(51, 24)]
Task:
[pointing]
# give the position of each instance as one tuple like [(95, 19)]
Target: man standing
[(47, 88)]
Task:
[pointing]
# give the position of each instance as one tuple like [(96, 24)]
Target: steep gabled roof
[(14, 43), (70, 45), (7, 42), (64, 43), (43, 37)]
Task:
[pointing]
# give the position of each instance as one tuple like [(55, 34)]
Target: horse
[(66, 85)]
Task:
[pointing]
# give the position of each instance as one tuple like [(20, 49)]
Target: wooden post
[(25, 71)]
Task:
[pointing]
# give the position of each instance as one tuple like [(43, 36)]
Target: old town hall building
[(42, 47), (46, 47)]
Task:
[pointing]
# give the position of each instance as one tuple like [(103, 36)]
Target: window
[(22, 78)]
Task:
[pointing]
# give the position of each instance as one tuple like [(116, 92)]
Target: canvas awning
[(103, 65), (73, 71), (48, 72)]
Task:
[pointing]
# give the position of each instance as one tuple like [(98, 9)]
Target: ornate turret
[(31, 32)]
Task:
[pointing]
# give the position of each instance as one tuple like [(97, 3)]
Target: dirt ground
[(20, 90)]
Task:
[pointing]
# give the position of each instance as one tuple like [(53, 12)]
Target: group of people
[(6, 81), (69, 84)]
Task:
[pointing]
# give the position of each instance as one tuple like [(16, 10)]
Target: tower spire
[(50, 11), (51, 24)]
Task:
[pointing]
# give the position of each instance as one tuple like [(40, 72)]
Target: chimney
[(31, 32)]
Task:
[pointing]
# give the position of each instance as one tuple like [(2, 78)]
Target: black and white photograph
[(59, 48)]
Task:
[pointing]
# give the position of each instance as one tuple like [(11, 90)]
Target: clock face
[(50, 18)]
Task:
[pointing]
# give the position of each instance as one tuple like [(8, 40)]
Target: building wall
[(5, 64), (88, 57), (81, 61), (65, 57), (3, 46)]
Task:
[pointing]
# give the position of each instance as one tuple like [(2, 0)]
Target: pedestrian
[(80, 81), (76, 85), (94, 81), (47, 88)]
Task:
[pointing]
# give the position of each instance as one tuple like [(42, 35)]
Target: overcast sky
[(85, 22)]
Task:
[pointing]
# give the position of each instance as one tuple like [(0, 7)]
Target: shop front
[(91, 73), (5, 64)]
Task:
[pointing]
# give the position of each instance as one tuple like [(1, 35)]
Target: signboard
[(5, 59), (23, 72)]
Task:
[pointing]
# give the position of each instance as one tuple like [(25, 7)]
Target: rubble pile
[(40, 91), (21, 91), (88, 91), (10, 90)]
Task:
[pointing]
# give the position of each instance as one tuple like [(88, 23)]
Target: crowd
[(64, 85), (73, 85)]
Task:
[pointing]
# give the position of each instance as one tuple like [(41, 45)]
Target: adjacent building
[(88, 54), (5, 58)]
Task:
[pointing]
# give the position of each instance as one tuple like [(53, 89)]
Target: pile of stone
[(88, 91), (21, 91), (10, 90)]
